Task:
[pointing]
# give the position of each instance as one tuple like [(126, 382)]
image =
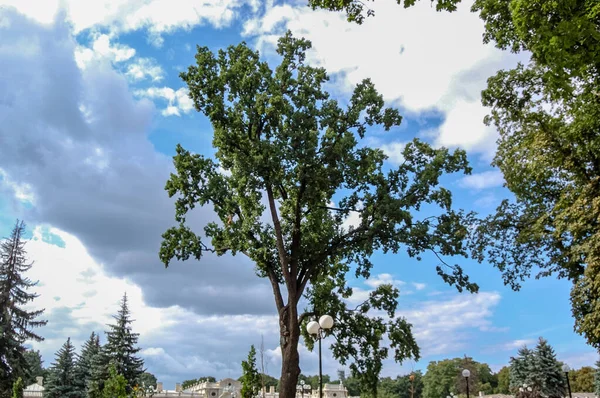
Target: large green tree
[(582, 380), (284, 147), (61, 381), (35, 367), (597, 379), (521, 367), (17, 321), (548, 372), (547, 112), (503, 380)]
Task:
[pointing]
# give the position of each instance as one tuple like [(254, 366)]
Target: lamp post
[(566, 369), (317, 328), (466, 373), (412, 385)]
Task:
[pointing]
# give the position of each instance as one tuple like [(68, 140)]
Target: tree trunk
[(290, 359)]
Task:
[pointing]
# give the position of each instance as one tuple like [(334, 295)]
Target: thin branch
[(279, 235)]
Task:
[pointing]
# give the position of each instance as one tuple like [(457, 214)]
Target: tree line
[(108, 370)]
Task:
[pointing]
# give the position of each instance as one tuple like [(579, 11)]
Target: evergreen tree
[(549, 376), (251, 380), (520, 368), (34, 367), (17, 391), (83, 366), (16, 323), (120, 350), (61, 382)]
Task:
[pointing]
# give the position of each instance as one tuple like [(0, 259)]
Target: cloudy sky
[(91, 108)]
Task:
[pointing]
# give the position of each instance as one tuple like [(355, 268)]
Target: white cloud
[(382, 279), (516, 344), (178, 101), (21, 191), (419, 286), (483, 180), (103, 50), (122, 16), (394, 151), (143, 68)]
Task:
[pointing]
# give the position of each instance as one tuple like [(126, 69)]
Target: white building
[(34, 390)]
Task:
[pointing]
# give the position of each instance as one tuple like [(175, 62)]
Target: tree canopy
[(284, 145), (547, 112)]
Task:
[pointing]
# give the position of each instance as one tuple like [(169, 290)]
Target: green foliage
[(401, 386), (503, 381), (120, 350), (34, 367), (440, 379), (582, 380), (278, 135), (191, 382), (147, 379), (357, 11), (116, 384), (251, 380), (547, 112), (16, 322), (18, 387), (85, 362), (597, 379), (539, 369), (61, 380)]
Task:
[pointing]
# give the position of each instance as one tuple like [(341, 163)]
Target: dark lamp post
[(566, 369), (466, 373)]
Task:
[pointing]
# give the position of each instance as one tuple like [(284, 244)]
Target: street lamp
[(466, 373), (317, 328), (304, 386), (565, 368)]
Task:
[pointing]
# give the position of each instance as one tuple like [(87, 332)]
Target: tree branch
[(279, 235)]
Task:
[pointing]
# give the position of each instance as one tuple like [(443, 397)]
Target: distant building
[(230, 388), (34, 390)]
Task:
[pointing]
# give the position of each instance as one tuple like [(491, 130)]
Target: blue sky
[(96, 108)]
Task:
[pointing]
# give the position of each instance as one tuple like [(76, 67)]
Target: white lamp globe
[(326, 322), (466, 373), (565, 368), (313, 327)]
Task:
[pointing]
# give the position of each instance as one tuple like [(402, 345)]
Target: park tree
[(597, 379), (582, 380), (85, 363), (61, 381), (547, 112), (504, 380), (441, 378), (547, 373), (521, 367), (18, 387), (121, 349), (285, 148), (116, 384), (17, 320), (35, 367), (251, 379)]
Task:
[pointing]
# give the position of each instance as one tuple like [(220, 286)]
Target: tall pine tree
[(61, 381), (83, 366), (16, 323), (520, 368), (120, 349), (548, 374)]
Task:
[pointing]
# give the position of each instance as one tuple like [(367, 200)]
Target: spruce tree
[(251, 380), (548, 374), (520, 368), (83, 366), (16, 323), (61, 381), (120, 349)]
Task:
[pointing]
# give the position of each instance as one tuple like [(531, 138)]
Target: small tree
[(84, 364), (520, 369), (116, 384), (504, 380), (17, 390), (61, 382), (251, 379)]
